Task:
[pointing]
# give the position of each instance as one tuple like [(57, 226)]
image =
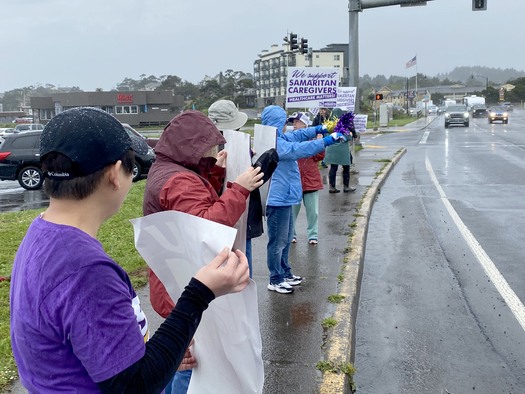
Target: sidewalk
[(294, 340)]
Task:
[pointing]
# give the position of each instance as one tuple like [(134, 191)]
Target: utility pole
[(354, 7)]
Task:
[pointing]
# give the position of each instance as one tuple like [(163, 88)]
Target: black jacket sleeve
[(166, 348)]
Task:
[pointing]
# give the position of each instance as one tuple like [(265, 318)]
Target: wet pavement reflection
[(15, 198)]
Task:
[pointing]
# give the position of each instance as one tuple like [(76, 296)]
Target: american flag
[(411, 63)]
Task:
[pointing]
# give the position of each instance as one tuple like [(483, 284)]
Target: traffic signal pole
[(354, 7)]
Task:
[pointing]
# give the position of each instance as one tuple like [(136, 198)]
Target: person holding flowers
[(286, 191)]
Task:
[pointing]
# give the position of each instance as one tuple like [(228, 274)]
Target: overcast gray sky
[(98, 43)]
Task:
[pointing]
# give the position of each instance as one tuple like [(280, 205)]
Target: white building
[(270, 70)]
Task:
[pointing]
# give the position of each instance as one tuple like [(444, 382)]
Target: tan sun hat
[(226, 116)]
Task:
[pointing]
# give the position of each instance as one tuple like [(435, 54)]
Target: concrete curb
[(340, 343)]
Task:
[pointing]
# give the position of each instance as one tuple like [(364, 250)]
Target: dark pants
[(346, 175)]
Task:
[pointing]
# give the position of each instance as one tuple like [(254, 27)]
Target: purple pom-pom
[(345, 125)]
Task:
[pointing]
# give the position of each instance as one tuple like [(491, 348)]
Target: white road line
[(423, 139), (512, 300)]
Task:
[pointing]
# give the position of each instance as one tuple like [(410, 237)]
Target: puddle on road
[(302, 314), (365, 180), (21, 200)]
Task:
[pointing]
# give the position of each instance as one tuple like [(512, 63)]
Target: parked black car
[(20, 160), (479, 111)]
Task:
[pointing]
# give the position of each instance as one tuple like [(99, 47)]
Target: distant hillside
[(496, 75)]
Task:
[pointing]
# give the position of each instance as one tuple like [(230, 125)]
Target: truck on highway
[(469, 101)]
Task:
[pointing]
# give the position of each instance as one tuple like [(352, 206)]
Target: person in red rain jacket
[(311, 182), (187, 175)]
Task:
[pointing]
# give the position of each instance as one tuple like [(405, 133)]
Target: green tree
[(491, 95)]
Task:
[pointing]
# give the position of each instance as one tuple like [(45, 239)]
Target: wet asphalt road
[(15, 198), (430, 319)]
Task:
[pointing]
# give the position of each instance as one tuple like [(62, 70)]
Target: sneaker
[(349, 189), (282, 288), (333, 190), (293, 280)]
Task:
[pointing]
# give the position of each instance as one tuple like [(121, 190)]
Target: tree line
[(232, 84)]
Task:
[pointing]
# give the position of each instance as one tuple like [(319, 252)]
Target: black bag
[(268, 162)]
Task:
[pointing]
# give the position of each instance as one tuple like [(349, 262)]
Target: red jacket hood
[(186, 138)]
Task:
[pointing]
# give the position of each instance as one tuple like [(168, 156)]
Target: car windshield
[(455, 108), (498, 109), (479, 106)]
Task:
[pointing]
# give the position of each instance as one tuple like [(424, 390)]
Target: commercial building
[(137, 108), (270, 70)]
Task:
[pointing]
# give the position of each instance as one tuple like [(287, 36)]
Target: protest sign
[(238, 146), (312, 87), (360, 123), (264, 138), (346, 98), (228, 342)]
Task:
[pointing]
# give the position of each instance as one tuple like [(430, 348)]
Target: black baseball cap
[(90, 138)]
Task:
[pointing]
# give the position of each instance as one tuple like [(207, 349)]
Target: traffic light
[(379, 96), (479, 5), (293, 42), (303, 48)]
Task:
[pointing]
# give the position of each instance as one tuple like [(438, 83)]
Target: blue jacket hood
[(274, 116), (285, 187)]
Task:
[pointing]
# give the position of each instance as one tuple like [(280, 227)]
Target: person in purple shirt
[(76, 322)]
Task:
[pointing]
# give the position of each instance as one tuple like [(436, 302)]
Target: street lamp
[(486, 78)]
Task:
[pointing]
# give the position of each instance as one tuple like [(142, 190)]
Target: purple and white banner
[(312, 87), (360, 123), (346, 98)]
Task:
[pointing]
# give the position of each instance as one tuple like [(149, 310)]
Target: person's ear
[(113, 174)]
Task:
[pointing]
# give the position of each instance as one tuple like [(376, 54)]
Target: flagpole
[(416, 80)]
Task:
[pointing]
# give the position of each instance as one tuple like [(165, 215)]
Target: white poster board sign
[(238, 146), (228, 342), (346, 98), (312, 87), (264, 138), (360, 123), (314, 111)]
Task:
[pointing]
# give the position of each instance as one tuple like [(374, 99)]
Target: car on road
[(149, 140), (20, 160), (479, 111), (498, 113), (508, 105), (432, 110), (6, 130), (23, 120), (442, 109), (29, 127), (457, 114)]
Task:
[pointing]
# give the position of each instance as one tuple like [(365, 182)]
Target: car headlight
[(447, 115), (505, 114), (465, 115), (492, 114), (150, 151)]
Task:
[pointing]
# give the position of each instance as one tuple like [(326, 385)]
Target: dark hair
[(80, 187)]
